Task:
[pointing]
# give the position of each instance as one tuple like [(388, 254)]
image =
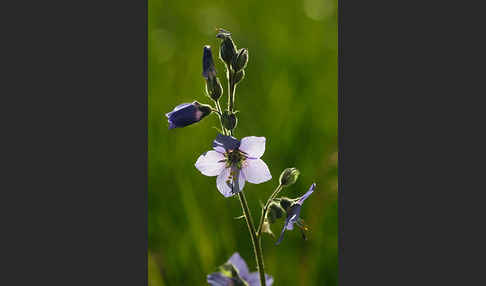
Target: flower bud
[(239, 76), (229, 120), (285, 203), (186, 114), (222, 34), (227, 51), (208, 65), (289, 176), (275, 211), (266, 228), (203, 108), (214, 89), (241, 60)]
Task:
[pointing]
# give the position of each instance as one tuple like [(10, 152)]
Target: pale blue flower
[(234, 162)]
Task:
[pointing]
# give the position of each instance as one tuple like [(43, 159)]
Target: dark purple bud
[(285, 203), (227, 51), (208, 65), (229, 120), (239, 75), (214, 88), (275, 212), (186, 114), (240, 60)]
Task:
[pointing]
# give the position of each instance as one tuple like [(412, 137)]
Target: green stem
[(231, 89), (218, 107), (256, 242), (265, 209)]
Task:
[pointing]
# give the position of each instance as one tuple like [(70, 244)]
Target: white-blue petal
[(223, 183), (256, 171), (211, 163), (253, 146)]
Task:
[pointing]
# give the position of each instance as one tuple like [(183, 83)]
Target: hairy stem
[(257, 246), (265, 209)]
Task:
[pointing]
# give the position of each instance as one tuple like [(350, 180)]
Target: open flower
[(293, 214), (187, 114), (235, 162), (235, 272)]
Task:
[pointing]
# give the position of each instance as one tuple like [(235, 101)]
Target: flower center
[(235, 158)]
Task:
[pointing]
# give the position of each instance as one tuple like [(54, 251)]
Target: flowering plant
[(234, 162)]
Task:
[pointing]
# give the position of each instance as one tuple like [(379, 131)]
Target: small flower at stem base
[(235, 272)]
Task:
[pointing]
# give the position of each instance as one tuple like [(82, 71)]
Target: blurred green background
[(289, 95)]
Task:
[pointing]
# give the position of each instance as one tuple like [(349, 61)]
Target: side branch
[(254, 240), (265, 208)]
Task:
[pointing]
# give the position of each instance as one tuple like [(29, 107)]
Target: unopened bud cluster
[(236, 59)]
